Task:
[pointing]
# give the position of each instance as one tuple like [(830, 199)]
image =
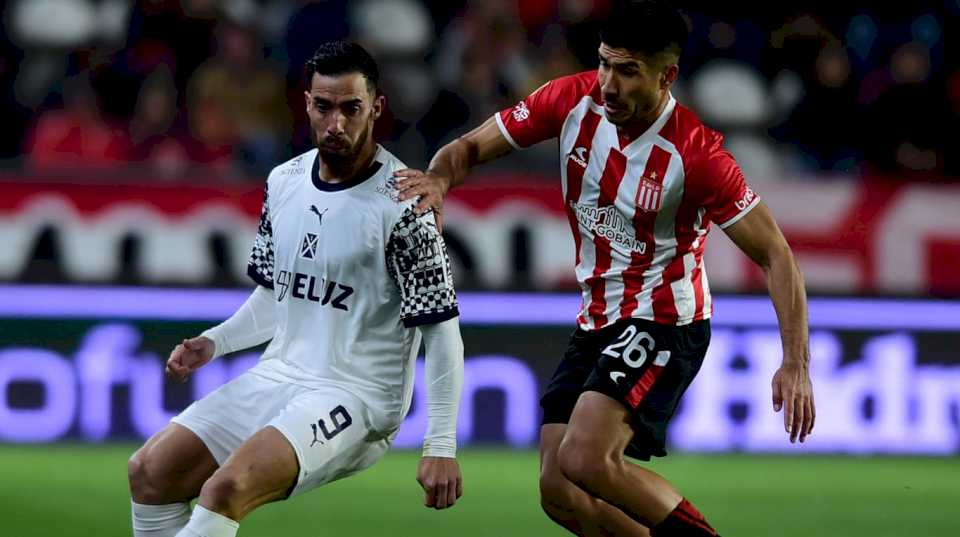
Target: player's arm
[(251, 325), (536, 118), (758, 236), (450, 166), (417, 261), (438, 472)]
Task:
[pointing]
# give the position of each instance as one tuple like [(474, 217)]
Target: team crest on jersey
[(308, 248), (649, 194), (521, 112)]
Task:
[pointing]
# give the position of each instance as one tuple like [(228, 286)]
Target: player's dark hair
[(647, 27), (340, 58)]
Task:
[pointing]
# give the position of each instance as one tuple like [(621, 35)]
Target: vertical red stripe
[(640, 389), (643, 223), (588, 127), (664, 303), (613, 173), (697, 280)]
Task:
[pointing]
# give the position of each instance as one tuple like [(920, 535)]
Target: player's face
[(632, 84), (342, 111)]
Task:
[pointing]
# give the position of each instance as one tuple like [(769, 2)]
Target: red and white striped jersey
[(639, 208)]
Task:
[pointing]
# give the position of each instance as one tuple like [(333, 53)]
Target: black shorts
[(645, 365)]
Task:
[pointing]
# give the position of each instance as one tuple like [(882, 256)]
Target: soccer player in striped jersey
[(349, 281), (643, 179)]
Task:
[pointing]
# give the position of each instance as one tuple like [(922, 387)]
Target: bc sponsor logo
[(746, 200)]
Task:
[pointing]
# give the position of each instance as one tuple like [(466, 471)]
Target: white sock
[(159, 520), (206, 523)]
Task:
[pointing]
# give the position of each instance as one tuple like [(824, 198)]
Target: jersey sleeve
[(417, 261), (540, 116), (260, 264), (725, 194)]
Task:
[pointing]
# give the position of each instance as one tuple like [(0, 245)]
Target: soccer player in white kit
[(349, 279)]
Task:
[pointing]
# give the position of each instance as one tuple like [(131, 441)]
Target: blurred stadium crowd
[(212, 87)]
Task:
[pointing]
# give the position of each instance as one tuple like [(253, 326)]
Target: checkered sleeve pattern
[(417, 260), (260, 264)]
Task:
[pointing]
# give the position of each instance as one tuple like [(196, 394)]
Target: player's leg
[(318, 437), (562, 501), (164, 475), (629, 399), (262, 470), (570, 506)]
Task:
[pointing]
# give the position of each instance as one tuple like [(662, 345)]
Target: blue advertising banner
[(86, 363)]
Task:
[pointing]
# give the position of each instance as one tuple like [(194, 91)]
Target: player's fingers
[(441, 495), (777, 395), (797, 425), (459, 486), (426, 204), (408, 172), (808, 419), (429, 498), (413, 190), (787, 401), (813, 414), (452, 493)]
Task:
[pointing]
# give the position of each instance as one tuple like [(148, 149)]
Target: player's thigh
[(171, 466), (263, 469), (331, 432), (599, 425)]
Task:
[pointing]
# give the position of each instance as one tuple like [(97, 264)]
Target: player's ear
[(306, 99), (379, 102), (669, 75)]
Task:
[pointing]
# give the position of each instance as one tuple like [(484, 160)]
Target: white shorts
[(329, 428)]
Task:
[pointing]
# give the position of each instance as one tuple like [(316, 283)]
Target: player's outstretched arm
[(450, 167), (438, 472), (758, 235), (251, 325)]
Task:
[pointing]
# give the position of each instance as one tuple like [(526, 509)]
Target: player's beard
[(346, 153)]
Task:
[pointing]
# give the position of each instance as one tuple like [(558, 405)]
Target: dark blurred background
[(139, 125)]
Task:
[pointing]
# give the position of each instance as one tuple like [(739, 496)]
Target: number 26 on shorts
[(634, 347)]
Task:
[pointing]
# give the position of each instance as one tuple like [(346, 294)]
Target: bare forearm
[(454, 160), (789, 297)]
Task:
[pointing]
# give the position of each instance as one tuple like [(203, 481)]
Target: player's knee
[(225, 492), (145, 478), (583, 464)]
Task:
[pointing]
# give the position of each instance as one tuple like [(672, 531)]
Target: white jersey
[(353, 271)]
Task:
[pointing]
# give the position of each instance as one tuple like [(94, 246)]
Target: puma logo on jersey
[(306, 287), (578, 155), (314, 210)]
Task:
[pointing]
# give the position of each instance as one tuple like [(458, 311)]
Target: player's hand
[(189, 356), (793, 391), (430, 187), (441, 481)]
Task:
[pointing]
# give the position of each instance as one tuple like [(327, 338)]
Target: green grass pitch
[(81, 490)]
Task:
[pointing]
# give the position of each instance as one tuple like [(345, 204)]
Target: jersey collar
[(324, 186)]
